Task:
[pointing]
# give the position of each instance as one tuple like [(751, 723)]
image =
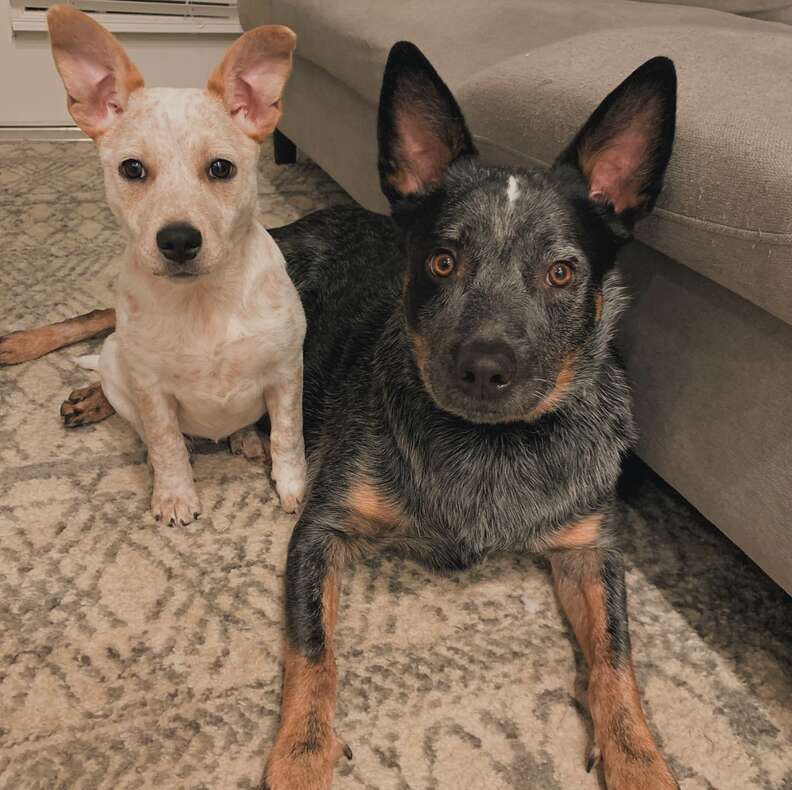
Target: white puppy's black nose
[(179, 241)]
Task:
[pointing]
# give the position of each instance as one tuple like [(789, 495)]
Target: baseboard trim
[(15, 134)]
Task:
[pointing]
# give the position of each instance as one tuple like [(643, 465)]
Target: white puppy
[(209, 328)]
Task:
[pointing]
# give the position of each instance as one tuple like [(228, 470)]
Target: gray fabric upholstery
[(708, 340), (712, 377), (351, 39), (783, 15), (333, 123), (730, 6)]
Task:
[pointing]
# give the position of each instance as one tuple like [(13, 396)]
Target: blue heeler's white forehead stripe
[(512, 190)]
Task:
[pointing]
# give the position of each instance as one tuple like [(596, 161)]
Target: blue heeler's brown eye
[(221, 169), (441, 264), (132, 170), (560, 274)]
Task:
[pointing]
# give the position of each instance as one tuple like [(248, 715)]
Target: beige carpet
[(137, 656)]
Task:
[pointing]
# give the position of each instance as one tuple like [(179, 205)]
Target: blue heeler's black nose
[(485, 370), (179, 241)]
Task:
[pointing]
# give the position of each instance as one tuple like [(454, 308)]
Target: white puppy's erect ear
[(97, 73), (251, 78)]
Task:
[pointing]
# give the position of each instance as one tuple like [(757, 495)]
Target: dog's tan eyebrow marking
[(512, 190)]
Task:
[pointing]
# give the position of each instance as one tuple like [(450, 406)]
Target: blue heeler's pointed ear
[(623, 149), (421, 129)]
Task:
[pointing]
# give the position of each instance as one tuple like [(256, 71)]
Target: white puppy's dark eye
[(221, 168), (132, 170)]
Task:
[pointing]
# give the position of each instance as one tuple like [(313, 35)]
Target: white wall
[(31, 93)]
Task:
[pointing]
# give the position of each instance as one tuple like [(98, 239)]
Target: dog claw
[(175, 510), (594, 756), (347, 751)]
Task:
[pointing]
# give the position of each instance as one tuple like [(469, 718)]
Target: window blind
[(137, 16)]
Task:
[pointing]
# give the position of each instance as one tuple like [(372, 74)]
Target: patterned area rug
[(137, 656)]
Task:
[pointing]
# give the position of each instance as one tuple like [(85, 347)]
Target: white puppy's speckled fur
[(209, 354)]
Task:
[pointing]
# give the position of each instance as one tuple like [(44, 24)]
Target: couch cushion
[(731, 6), (783, 15), (351, 39), (770, 10)]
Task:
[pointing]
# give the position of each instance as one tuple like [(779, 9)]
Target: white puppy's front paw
[(174, 506), (290, 485)]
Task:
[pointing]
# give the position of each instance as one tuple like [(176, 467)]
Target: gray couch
[(708, 340)]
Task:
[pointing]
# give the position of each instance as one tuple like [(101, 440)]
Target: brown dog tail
[(29, 344)]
